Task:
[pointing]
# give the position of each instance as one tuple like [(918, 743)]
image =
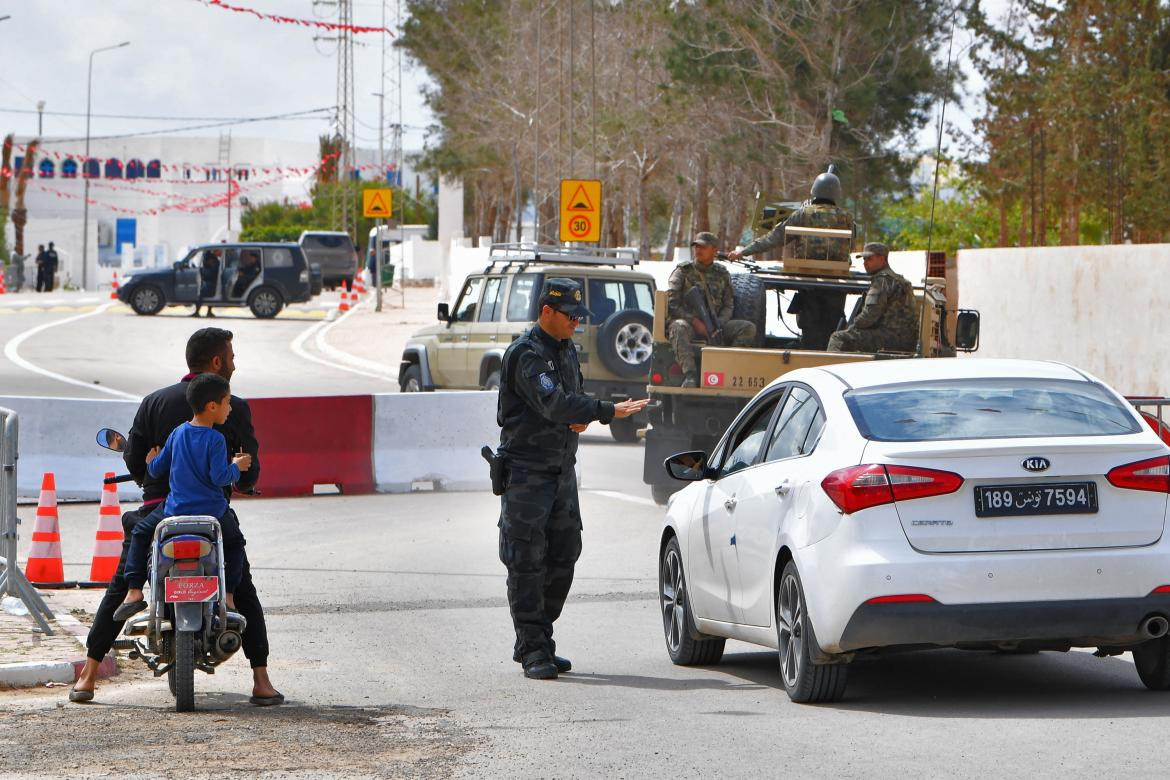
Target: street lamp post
[(40, 118), (85, 166)]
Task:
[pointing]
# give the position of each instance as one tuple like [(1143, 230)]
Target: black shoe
[(129, 610), (195, 313), (210, 313), (541, 670), (563, 664)]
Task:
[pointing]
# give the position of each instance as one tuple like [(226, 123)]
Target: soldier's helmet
[(827, 186)]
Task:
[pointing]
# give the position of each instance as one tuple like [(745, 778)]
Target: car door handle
[(729, 504), (783, 489)]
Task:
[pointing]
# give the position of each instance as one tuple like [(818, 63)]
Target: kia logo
[(1036, 464)]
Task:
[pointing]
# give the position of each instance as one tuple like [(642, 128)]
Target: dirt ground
[(225, 736)]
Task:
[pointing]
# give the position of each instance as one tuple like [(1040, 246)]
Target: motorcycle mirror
[(111, 440)]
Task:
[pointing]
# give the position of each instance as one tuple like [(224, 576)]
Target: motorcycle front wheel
[(183, 671)]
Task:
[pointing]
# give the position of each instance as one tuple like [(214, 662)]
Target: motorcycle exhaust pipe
[(226, 644), (1155, 627)]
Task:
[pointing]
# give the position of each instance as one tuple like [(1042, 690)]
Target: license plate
[(1063, 498), (181, 589)]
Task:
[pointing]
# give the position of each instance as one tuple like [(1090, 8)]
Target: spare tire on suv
[(751, 303), (625, 342)]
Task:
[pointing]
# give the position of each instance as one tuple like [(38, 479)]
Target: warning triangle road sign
[(376, 203), (580, 200)]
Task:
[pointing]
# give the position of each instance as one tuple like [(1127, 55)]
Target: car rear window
[(326, 242), (988, 409)]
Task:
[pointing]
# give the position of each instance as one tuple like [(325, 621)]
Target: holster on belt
[(496, 468)]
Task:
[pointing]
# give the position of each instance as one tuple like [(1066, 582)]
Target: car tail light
[(178, 549), (1152, 474), (868, 485), (1160, 589), (902, 598)]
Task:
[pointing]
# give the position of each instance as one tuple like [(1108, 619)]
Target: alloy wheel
[(634, 343), (790, 616), (673, 600)]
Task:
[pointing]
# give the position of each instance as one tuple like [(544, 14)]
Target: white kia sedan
[(987, 504)]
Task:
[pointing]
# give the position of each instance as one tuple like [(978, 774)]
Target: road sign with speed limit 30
[(580, 210)]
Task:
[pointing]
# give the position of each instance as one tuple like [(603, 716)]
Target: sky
[(190, 59)]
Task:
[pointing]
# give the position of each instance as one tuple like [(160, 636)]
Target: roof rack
[(527, 252)]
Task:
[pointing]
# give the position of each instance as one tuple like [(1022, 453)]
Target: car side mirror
[(967, 330), (687, 466), (444, 313), (111, 440)]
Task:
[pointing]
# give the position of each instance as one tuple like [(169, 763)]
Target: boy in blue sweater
[(200, 468)]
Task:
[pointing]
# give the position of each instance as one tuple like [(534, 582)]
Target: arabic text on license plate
[(1065, 498)]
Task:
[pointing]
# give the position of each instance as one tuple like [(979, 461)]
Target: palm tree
[(5, 177), (20, 214)]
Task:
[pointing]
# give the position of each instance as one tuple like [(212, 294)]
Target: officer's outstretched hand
[(627, 408), (578, 427)]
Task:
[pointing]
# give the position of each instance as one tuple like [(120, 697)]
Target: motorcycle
[(187, 625)]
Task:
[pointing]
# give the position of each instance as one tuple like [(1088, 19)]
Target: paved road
[(391, 638)]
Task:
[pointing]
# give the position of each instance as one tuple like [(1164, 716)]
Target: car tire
[(625, 342), (493, 381), (751, 303), (265, 303), (1152, 659), (147, 300), (624, 431), (678, 624), (662, 493), (804, 681), (411, 381)]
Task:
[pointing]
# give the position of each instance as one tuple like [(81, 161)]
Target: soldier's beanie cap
[(564, 295), (705, 238), (875, 248)]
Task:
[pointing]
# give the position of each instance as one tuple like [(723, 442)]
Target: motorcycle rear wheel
[(183, 671)]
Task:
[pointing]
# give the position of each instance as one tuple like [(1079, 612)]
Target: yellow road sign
[(580, 210), (378, 203)]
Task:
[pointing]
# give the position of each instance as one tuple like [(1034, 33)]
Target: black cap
[(564, 295)]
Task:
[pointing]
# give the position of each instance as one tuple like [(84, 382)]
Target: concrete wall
[(1100, 308), (60, 435), (433, 439)]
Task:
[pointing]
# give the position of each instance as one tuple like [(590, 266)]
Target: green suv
[(464, 351)]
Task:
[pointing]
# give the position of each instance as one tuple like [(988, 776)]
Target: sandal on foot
[(129, 610), (268, 701), (80, 697)]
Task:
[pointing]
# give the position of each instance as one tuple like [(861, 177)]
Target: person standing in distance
[(52, 262), (541, 411)]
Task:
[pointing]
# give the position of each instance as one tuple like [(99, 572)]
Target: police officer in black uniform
[(208, 350), (542, 409)]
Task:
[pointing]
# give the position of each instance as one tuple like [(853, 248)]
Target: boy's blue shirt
[(199, 471)]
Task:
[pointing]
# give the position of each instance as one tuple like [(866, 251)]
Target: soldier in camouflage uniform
[(685, 325), (541, 411), (818, 313), (886, 319)]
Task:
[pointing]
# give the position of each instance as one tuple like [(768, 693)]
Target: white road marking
[(624, 497), (11, 351), (318, 331), (48, 302)]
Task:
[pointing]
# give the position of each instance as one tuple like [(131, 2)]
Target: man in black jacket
[(208, 350)]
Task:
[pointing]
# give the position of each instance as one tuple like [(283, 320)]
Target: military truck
[(684, 419), (464, 351)]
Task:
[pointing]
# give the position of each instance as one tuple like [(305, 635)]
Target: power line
[(169, 130), (138, 116)]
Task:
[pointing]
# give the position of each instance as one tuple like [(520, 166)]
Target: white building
[(149, 197)]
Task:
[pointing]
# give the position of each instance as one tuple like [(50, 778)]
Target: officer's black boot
[(563, 664), (538, 666)]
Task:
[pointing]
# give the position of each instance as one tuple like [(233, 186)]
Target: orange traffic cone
[(359, 284), (344, 304), (107, 546), (114, 289), (3, 284), (45, 569)]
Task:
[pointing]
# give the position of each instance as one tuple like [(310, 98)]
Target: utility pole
[(40, 118), (343, 215), (85, 166)]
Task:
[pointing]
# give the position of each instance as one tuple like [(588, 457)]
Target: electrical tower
[(343, 213)]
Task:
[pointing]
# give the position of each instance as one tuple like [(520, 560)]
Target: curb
[(29, 674)]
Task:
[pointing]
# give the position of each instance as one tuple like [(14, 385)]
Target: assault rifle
[(697, 304)]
